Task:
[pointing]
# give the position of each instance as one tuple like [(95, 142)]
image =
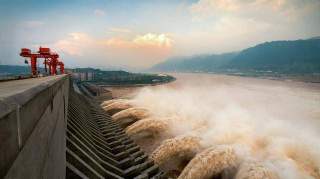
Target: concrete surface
[(97, 147), (10, 88), (33, 116), (47, 130)]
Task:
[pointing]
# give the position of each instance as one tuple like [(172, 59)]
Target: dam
[(52, 128)]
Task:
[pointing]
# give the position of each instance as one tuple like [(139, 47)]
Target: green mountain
[(299, 56), (121, 77), (196, 63), (14, 70)]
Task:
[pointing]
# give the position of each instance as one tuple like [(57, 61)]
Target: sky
[(137, 34)]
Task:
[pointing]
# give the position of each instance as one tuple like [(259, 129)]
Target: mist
[(271, 122)]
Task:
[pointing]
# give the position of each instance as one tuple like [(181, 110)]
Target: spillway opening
[(148, 142), (175, 165)]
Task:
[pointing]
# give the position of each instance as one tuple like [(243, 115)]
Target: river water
[(276, 123)]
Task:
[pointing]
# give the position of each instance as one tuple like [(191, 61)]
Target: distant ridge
[(317, 37), (196, 63), (297, 56), (14, 70)]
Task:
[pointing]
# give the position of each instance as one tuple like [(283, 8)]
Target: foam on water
[(268, 121), (108, 102), (130, 115), (255, 170), (116, 107), (210, 163), (153, 126), (134, 112), (182, 145)]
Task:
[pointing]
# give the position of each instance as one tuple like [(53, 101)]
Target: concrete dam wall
[(32, 124), (97, 147), (50, 130)]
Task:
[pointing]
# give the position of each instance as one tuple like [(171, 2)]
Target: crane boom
[(51, 60)]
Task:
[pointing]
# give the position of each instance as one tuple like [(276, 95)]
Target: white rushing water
[(274, 123)]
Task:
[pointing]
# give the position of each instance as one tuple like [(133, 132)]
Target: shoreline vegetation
[(125, 79), (307, 78), (284, 77), (284, 60), (128, 79)]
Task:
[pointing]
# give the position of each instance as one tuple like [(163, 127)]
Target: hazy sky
[(140, 33)]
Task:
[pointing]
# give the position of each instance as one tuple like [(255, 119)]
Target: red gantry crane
[(61, 65), (51, 60)]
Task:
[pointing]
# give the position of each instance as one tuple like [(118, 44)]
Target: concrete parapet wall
[(33, 118)]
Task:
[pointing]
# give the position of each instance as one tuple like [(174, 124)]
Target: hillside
[(121, 77), (299, 56), (196, 63), (14, 70)]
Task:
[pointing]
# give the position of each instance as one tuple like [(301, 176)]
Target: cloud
[(259, 9), (74, 44), (160, 40), (99, 12), (140, 41), (180, 28), (232, 25), (140, 51)]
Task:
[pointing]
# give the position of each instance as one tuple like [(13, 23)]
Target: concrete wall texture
[(33, 116)]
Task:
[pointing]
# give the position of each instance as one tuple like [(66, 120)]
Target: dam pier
[(53, 128)]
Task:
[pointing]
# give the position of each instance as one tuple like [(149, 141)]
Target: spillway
[(97, 147), (53, 128)]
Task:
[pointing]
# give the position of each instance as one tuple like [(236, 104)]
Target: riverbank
[(308, 78)]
